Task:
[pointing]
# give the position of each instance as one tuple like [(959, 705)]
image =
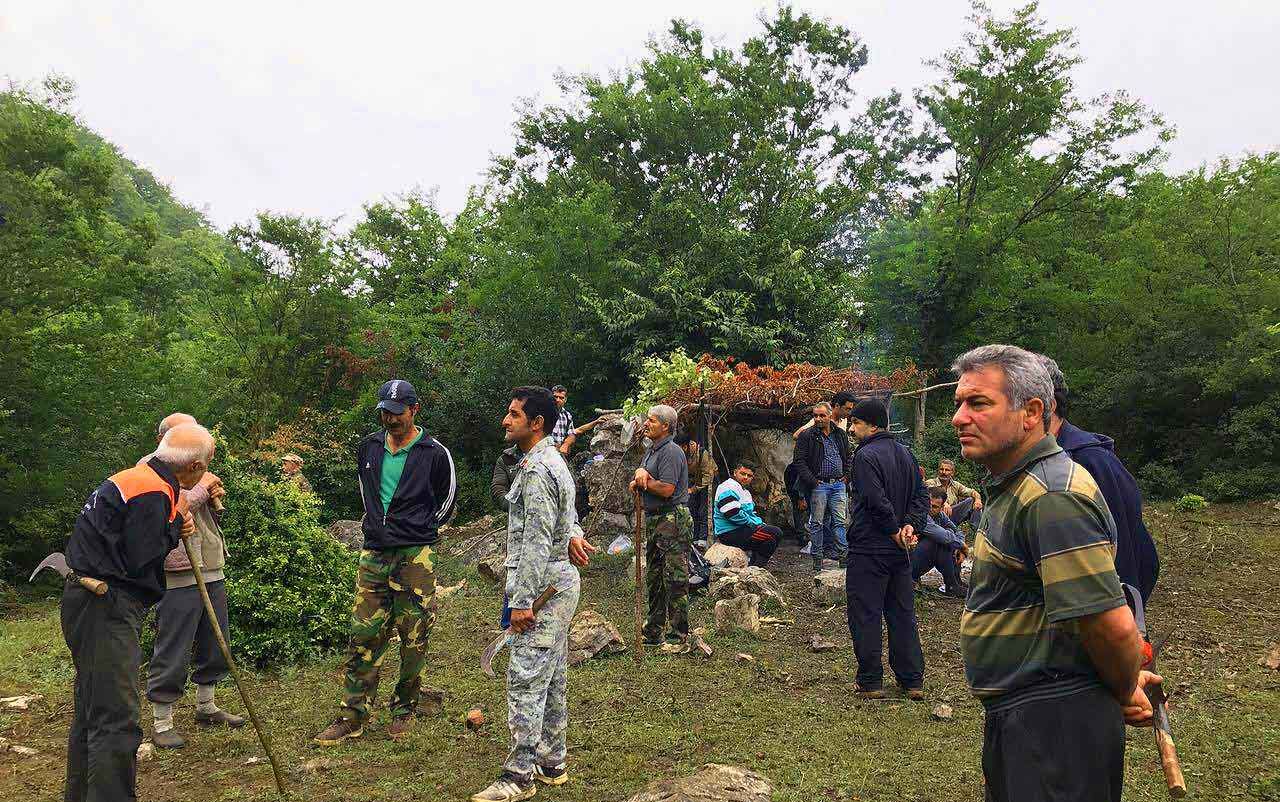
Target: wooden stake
[(196, 569), (639, 547), (920, 419)]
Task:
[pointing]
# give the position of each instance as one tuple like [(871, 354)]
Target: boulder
[(592, 634), (714, 782), (494, 567), (607, 491), (472, 542), (726, 556), (828, 586), (729, 582), (740, 612), (348, 533)]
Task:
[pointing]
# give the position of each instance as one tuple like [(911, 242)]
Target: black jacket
[(1137, 562), (807, 458), (126, 528), (888, 493), (423, 500)]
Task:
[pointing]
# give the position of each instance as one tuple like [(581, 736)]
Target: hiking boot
[(219, 718), (340, 730), (914, 694), (551, 775), (675, 647), (875, 693), (506, 789), (169, 739), (401, 727)]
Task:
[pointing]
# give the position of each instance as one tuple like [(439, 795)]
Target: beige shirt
[(955, 490)]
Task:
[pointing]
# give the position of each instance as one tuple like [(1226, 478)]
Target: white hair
[(180, 456), (666, 415), (1025, 374)]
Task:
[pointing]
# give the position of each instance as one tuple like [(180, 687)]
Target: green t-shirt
[(393, 468), (1044, 556)]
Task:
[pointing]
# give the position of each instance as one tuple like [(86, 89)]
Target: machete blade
[(486, 657)]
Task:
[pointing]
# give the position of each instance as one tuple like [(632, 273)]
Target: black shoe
[(651, 641)]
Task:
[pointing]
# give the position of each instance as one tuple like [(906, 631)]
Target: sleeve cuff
[(1081, 610)]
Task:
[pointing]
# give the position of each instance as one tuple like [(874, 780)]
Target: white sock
[(163, 715), (204, 699)]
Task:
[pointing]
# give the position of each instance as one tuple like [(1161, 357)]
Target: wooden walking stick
[(639, 546), (196, 569)]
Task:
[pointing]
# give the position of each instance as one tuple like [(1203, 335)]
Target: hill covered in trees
[(742, 201)]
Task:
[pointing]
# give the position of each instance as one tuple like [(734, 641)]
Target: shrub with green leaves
[(1190, 503), (289, 584), (659, 377)]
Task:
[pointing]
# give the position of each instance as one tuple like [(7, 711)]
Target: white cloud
[(318, 108)]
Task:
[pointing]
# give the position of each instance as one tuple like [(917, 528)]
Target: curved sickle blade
[(486, 657), (57, 561)]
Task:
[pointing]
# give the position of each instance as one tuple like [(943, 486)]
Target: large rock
[(607, 490), (348, 533), (727, 583), (726, 556), (828, 586), (592, 634), (739, 612), (714, 782), (472, 542), (494, 567)]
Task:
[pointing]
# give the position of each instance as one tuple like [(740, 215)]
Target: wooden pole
[(639, 546), (196, 569), (711, 488), (920, 419)]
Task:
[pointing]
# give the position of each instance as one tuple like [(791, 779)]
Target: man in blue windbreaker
[(736, 521)]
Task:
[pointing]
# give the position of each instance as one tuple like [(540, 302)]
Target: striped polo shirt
[(1044, 556)]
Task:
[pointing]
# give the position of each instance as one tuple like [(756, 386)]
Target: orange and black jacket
[(126, 528)]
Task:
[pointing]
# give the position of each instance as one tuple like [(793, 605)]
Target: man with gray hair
[(181, 621), (1049, 645), (1137, 561), (663, 483), (120, 538)]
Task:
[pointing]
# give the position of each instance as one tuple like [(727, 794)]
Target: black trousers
[(1069, 749), (757, 541), (698, 509), (181, 622), (878, 587), (102, 634)]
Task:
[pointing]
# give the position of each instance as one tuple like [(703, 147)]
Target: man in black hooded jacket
[(1137, 561)]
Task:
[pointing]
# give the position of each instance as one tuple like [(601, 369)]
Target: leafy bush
[(1228, 484), (659, 377), (1190, 503), (940, 443), (1160, 480), (289, 584)]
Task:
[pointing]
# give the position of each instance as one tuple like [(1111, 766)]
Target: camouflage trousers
[(666, 551), (537, 680), (395, 590)]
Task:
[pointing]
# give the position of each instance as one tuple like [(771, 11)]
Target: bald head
[(187, 449), (176, 419)]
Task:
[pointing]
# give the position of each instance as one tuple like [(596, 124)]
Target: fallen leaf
[(943, 712), (19, 702), (1271, 659), (746, 658), (146, 751), (25, 751)]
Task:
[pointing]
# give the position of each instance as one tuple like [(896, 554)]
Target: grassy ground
[(789, 714)]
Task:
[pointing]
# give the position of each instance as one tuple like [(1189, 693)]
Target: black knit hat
[(872, 411)]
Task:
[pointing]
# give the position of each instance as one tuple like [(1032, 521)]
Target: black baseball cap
[(396, 395)]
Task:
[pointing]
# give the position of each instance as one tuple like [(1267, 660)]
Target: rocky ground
[(777, 702)]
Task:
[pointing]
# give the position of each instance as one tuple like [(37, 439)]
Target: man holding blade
[(543, 538)]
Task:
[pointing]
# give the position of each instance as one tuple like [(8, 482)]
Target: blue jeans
[(828, 505)]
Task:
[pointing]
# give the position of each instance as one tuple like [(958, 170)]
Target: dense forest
[(743, 201)]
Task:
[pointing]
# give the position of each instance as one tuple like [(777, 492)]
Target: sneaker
[(340, 730), (401, 727), (675, 647), (506, 789), (169, 739), (219, 718), (551, 775), (864, 693)]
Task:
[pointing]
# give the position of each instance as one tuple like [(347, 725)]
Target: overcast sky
[(318, 108)]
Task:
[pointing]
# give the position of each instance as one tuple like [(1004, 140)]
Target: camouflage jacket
[(540, 520)]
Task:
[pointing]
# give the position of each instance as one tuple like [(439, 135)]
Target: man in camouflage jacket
[(543, 542)]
